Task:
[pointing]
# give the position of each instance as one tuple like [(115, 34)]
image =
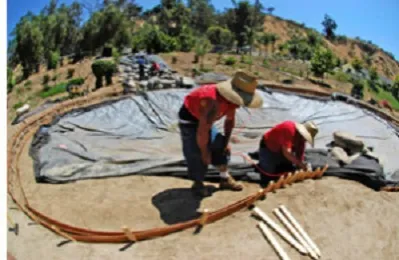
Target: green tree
[(29, 40), (202, 14), (329, 27), (220, 36), (322, 61), (373, 74), (202, 47), (357, 89)]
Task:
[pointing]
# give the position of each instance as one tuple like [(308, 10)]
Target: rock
[(22, 110), (187, 82), (167, 83)]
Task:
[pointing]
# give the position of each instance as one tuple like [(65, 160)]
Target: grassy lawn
[(382, 94)]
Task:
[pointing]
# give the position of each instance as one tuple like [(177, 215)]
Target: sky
[(374, 20)]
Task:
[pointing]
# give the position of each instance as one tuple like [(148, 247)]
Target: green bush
[(51, 91), (357, 89), (54, 78), (230, 61), (18, 105), (247, 60), (10, 80), (323, 60), (116, 55), (53, 60), (103, 68), (76, 81), (70, 73), (46, 79), (19, 79), (174, 60), (357, 64), (28, 85), (342, 76)]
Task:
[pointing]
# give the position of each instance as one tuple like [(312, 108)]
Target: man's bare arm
[(207, 117), (229, 124), (289, 156)]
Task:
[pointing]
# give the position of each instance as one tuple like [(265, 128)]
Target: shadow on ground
[(177, 205)]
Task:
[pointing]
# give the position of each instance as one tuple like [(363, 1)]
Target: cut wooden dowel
[(129, 234), (279, 182), (204, 217), (269, 236), (270, 187), (287, 179), (284, 235), (294, 232), (301, 231)]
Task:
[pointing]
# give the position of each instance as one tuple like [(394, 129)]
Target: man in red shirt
[(202, 143), (282, 148)]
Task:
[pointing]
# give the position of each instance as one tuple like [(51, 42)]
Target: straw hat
[(241, 90), (308, 130)]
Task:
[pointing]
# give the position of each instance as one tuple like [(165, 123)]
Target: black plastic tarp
[(139, 135)]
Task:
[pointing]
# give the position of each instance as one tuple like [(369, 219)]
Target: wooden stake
[(293, 231), (129, 234), (287, 237), (279, 182), (301, 231), (204, 217), (269, 236), (287, 179), (270, 187)]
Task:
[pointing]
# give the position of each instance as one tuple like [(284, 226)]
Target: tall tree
[(329, 27), (202, 14)]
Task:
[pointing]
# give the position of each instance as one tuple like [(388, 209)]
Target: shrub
[(18, 105), (51, 91), (247, 60), (46, 79), (357, 64), (357, 89), (265, 63), (174, 60), (342, 76), (116, 55), (103, 68), (10, 80), (53, 60), (322, 61), (54, 78), (76, 81), (230, 61), (70, 73)]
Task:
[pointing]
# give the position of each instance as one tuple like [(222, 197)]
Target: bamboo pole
[(287, 237), (298, 227), (280, 251)]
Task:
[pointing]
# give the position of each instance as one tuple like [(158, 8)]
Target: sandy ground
[(345, 219)]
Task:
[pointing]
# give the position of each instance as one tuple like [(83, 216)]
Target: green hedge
[(103, 68), (76, 81), (230, 61)]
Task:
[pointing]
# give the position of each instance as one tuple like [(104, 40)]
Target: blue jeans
[(192, 153), (273, 162)]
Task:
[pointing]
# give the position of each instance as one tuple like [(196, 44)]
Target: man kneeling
[(282, 148), (202, 143)]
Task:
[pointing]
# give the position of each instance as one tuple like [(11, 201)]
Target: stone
[(187, 82)]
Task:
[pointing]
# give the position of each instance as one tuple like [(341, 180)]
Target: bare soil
[(346, 219)]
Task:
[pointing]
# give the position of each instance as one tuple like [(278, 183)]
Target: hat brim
[(227, 91), (305, 133)]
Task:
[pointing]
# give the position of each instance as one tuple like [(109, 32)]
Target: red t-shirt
[(284, 135), (193, 101)]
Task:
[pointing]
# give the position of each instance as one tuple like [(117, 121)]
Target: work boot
[(200, 189), (230, 184)]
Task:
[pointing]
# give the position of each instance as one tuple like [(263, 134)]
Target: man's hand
[(206, 158)]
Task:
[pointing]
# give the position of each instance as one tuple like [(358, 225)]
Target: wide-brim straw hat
[(241, 90), (308, 130)]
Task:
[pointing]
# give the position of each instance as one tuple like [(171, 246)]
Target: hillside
[(346, 49)]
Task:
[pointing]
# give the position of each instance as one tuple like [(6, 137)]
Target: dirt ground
[(344, 218)]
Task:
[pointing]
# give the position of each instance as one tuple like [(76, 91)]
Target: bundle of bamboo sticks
[(298, 238)]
